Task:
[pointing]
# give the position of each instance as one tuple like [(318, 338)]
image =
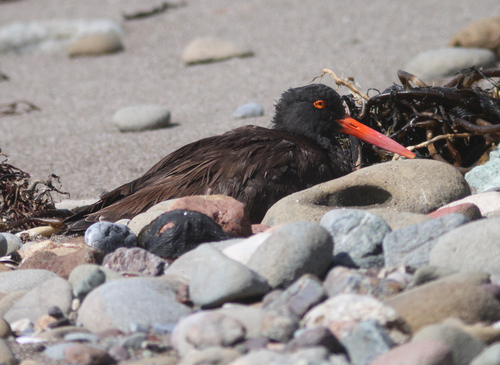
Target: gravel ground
[(293, 40)]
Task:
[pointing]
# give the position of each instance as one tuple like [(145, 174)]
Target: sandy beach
[(292, 41)]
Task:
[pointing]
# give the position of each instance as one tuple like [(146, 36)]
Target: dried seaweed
[(17, 108), (24, 202), (154, 11), (456, 123)]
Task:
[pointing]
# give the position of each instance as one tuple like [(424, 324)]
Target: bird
[(255, 165)]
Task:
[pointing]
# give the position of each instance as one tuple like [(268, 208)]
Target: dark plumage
[(255, 165)]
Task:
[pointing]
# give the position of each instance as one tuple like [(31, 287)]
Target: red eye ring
[(320, 104)]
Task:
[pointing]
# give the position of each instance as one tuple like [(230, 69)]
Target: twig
[(346, 83), (437, 138)]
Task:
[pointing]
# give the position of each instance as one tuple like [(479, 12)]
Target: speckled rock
[(135, 260), (391, 185)]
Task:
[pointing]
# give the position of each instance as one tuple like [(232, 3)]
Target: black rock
[(178, 231)]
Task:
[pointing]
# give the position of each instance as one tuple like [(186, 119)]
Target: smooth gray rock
[(411, 246), (397, 220), (38, 301), (51, 35), (448, 61), (291, 251), (141, 118), (56, 352), (90, 282), (206, 329), (279, 325), (17, 280), (489, 356), (471, 247), (484, 177), (205, 50), (119, 303), (3, 245), (319, 336), (249, 110), (366, 341), (107, 236), (464, 347), (81, 272), (14, 243), (399, 185), (358, 233), (216, 279)]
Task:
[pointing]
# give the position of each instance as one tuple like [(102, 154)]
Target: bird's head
[(317, 112)]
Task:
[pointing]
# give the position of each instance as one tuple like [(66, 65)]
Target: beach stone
[(251, 318), (299, 297), (14, 243), (391, 185), (51, 35), (6, 355), (56, 352), (397, 220), (471, 247), (417, 353), (90, 282), (291, 251), (206, 50), (485, 177), (173, 233), (135, 260), (486, 333), (107, 236), (482, 33), (489, 356), (86, 355), (211, 355), (242, 250), (18, 280), (59, 333), (343, 312), (217, 279), (342, 280), (447, 61), (318, 336), (206, 329), (433, 302), (279, 325), (366, 341), (429, 273), (226, 211), (60, 249), (5, 330), (38, 301), (358, 233), (411, 246), (62, 265), (95, 45), (119, 303), (487, 202), (249, 110), (81, 273), (463, 346), (141, 118), (471, 211)]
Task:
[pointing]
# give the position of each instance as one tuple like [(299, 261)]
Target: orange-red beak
[(361, 131)]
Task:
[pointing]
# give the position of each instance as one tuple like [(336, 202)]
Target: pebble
[(86, 355), (141, 118), (107, 236), (313, 337), (173, 233), (135, 260), (447, 61), (388, 185), (217, 279), (249, 110), (482, 33), (487, 176), (95, 45), (471, 247), (119, 303), (471, 211), (51, 35), (433, 302), (463, 346), (411, 246), (291, 251), (417, 353), (357, 233), (206, 50), (14, 243), (91, 281), (3, 245), (487, 202)]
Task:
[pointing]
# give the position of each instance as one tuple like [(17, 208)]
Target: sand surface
[(293, 40)]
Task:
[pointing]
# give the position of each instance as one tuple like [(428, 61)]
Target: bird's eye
[(320, 104)]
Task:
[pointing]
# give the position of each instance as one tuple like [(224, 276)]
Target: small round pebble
[(107, 236), (249, 110), (141, 118)]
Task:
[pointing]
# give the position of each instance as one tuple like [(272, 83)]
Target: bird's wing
[(238, 163)]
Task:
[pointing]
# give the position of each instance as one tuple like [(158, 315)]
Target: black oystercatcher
[(255, 165)]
